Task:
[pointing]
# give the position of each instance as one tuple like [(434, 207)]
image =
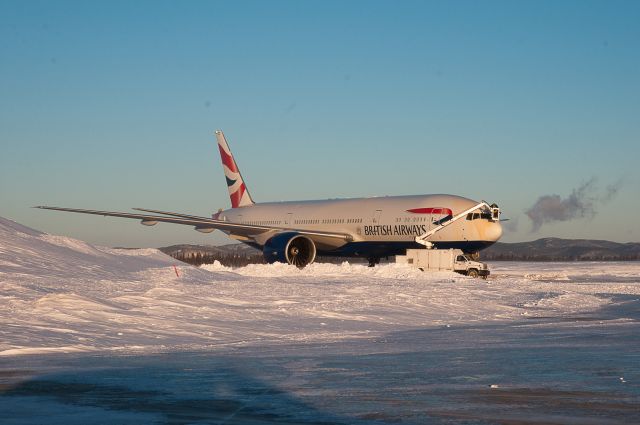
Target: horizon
[(233, 242), (111, 105)]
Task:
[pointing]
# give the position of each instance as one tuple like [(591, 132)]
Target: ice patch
[(570, 302)]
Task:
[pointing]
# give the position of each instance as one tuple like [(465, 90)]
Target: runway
[(582, 369)]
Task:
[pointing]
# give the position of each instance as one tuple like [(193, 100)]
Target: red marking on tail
[(236, 196), (227, 160)]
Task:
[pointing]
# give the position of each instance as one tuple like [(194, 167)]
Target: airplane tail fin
[(237, 189)]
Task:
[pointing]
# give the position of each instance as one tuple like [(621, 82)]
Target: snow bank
[(25, 251), (61, 295), (388, 271)]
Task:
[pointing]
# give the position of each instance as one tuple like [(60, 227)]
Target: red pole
[(176, 270)]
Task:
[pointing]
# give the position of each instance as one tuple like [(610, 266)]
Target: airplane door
[(376, 216)]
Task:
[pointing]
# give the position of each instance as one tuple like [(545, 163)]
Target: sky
[(533, 105)]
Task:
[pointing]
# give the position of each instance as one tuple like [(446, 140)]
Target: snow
[(59, 294)]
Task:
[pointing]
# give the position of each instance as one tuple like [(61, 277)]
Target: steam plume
[(612, 190), (582, 202)]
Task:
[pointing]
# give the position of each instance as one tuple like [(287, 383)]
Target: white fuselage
[(375, 223)]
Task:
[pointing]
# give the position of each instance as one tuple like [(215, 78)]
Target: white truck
[(444, 259)]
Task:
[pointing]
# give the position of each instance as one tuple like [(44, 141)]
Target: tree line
[(510, 256), (243, 259), (227, 259)]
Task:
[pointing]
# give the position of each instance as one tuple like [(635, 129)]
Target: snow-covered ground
[(63, 295), (536, 343)]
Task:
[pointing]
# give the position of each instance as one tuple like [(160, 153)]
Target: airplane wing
[(202, 224)]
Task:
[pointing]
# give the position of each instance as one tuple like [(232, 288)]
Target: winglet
[(235, 183)]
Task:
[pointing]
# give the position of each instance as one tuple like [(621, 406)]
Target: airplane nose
[(494, 231)]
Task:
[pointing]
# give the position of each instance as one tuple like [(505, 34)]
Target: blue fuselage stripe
[(387, 249)]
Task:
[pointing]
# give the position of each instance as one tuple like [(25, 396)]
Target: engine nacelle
[(290, 248)]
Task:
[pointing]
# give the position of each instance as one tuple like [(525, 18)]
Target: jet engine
[(290, 248)]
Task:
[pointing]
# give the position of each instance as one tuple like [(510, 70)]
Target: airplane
[(295, 232)]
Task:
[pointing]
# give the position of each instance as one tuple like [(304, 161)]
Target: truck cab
[(466, 266)]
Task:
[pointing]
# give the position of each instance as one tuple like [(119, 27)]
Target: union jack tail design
[(237, 190)]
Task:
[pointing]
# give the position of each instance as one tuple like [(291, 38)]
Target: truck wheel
[(472, 273)]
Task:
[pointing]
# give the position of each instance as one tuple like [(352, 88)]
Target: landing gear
[(373, 261)]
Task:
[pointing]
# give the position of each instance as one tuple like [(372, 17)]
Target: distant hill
[(556, 249), (546, 249)]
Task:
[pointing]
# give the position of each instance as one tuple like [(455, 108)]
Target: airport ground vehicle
[(444, 259)]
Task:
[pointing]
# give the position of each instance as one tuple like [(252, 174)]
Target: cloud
[(581, 203)]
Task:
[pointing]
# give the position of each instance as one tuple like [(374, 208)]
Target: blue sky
[(112, 105)]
